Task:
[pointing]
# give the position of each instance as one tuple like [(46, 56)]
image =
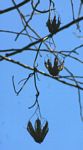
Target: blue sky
[(58, 102)]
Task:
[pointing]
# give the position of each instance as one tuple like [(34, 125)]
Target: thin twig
[(26, 80)]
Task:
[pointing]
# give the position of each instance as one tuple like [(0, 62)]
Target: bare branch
[(14, 7), (45, 38), (41, 72)]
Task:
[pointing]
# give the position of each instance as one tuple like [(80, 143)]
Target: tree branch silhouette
[(14, 7), (42, 45)]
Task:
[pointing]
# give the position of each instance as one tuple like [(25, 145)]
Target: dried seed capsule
[(55, 69), (38, 132)]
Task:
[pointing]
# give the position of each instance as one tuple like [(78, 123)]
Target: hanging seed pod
[(53, 25), (38, 132), (54, 71)]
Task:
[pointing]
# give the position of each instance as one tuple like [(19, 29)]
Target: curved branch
[(14, 7), (45, 38), (40, 72)]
